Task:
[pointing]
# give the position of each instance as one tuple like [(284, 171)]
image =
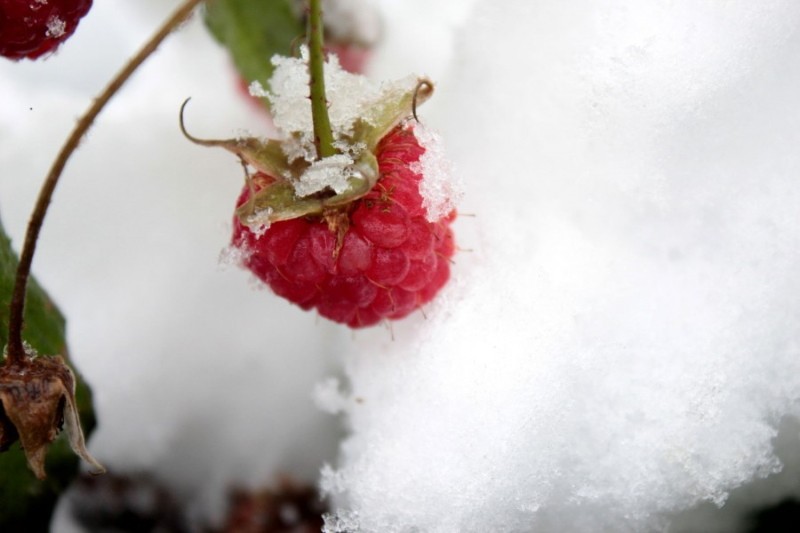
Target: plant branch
[(15, 349), (323, 137)]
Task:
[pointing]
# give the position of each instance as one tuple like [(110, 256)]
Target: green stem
[(15, 350), (323, 136)]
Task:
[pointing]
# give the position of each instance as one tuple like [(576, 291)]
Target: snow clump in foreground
[(623, 343)]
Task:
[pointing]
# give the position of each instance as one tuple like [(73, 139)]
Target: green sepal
[(397, 105), (360, 184), (27, 503), (276, 200)]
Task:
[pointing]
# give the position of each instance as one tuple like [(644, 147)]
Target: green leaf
[(26, 503), (253, 31)]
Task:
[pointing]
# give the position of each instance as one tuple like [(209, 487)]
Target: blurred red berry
[(32, 28)]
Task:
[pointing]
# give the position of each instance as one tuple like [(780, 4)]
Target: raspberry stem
[(15, 353), (323, 136)]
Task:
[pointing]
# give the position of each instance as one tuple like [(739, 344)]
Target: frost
[(56, 27), (331, 481), (299, 147), (341, 522), (233, 256), (350, 96), (346, 147), (257, 90), (329, 398), (329, 172), (259, 221), (29, 350), (441, 190)]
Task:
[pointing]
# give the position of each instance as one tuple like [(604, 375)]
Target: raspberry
[(375, 258), (32, 28)]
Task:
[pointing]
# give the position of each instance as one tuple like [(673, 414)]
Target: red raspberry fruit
[(32, 28), (376, 258)]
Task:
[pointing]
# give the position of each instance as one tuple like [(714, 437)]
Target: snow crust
[(622, 343)]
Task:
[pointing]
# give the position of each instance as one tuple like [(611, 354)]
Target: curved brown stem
[(15, 350)]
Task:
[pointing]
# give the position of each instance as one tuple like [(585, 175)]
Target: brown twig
[(15, 350)]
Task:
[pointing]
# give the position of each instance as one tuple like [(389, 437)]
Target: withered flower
[(37, 400)]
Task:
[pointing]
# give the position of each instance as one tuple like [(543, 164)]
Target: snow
[(343, 522), (618, 352), (350, 97), (329, 172), (257, 90), (621, 345), (441, 187), (55, 27), (329, 397)]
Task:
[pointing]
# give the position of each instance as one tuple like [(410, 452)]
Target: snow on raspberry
[(441, 189), (350, 97), (379, 256), (390, 261)]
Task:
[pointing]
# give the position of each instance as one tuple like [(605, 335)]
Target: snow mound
[(623, 342)]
